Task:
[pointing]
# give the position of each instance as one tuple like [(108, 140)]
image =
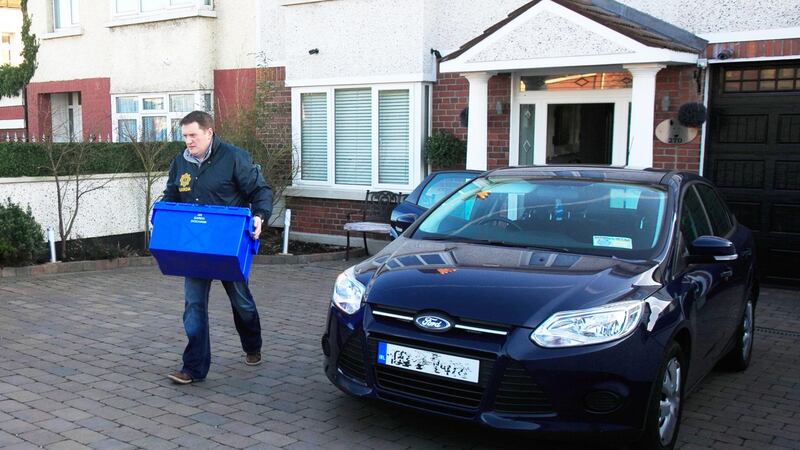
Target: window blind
[(314, 137), (393, 137), (353, 136)]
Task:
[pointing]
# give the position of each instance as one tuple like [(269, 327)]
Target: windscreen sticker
[(612, 241)]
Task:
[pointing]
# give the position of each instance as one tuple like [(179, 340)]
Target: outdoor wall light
[(436, 53), (725, 54), (665, 103), (498, 107), (313, 51)]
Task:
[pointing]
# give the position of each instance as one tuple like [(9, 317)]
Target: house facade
[(362, 83), (544, 82), (12, 112), (119, 69)]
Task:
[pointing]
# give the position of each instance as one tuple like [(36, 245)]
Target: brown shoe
[(253, 359), (181, 378)]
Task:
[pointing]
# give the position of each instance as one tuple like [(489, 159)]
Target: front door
[(753, 156)]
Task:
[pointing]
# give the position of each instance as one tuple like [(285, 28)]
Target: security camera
[(313, 51), (725, 54)]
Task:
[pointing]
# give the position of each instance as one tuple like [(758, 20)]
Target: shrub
[(22, 159), (21, 237), (443, 150)]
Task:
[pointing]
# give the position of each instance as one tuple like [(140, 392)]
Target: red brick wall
[(233, 89), (277, 97), (680, 83), (322, 216), (497, 150), (95, 105), (12, 113), (451, 96), (756, 49)]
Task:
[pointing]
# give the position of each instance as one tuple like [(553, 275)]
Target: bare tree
[(151, 153), (66, 163), (260, 125)]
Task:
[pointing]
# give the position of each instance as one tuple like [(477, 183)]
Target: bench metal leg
[(365, 244), (347, 249)]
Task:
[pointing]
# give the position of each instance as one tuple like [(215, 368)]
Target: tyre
[(739, 357), (666, 403)]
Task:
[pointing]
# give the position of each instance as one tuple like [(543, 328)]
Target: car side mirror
[(709, 249), (403, 221)]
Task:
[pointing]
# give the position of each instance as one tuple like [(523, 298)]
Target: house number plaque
[(671, 132)]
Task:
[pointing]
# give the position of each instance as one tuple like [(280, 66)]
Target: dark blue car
[(566, 301)]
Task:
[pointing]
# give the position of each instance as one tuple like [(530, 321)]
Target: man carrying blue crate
[(213, 172)]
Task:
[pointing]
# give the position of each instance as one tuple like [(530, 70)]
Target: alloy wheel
[(747, 330), (670, 403)]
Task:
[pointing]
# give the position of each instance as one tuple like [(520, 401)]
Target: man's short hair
[(203, 119)]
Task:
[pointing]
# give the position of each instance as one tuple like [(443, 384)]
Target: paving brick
[(85, 357)]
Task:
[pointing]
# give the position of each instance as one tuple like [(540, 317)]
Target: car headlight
[(589, 326), (348, 292)]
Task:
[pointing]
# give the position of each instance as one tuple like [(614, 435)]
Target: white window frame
[(7, 49), (329, 188), (168, 12), (621, 99), (199, 104), (75, 18)]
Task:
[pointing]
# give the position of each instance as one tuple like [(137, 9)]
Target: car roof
[(604, 173)]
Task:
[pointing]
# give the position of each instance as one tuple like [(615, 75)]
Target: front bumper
[(601, 389)]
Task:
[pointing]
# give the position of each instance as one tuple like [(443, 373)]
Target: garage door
[(753, 155)]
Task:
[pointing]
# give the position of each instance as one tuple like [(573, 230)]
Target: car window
[(439, 186), (720, 220), (590, 217), (694, 222)]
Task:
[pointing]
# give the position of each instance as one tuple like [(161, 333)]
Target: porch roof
[(617, 28)]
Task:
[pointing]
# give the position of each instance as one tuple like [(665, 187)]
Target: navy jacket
[(227, 177)]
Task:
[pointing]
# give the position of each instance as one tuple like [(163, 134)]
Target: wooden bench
[(374, 216)]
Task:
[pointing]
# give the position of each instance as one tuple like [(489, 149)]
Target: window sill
[(122, 21), (62, 33), (299, 2), (327, 192)]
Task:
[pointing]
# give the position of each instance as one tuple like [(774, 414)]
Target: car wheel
[(739, 357), (666, 403)]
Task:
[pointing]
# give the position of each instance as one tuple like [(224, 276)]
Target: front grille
[(519, 394), (430, 387), (351, 358)]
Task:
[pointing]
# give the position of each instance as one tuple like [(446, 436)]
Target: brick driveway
[(83, 359)]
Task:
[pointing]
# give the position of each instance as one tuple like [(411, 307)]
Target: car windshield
[(577, 216)]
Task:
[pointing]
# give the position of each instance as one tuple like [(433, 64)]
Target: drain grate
[(778, 332)]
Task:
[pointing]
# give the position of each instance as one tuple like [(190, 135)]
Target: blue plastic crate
[(199, 241)]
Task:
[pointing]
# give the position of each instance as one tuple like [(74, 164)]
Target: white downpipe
[(51, 238), (287, 222)]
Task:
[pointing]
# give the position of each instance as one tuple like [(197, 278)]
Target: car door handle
[(747, 253), (726, 274)]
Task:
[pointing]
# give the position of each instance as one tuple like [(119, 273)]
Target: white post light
[(51, 238), (287, 222)]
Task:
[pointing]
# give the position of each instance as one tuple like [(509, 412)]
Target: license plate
[(433, 363)]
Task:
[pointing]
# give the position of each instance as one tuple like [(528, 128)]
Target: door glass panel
[(694, 222), (580, 133), (576, 81), (527, 114)]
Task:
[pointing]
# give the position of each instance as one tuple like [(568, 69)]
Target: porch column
[(478, 125), (643, 105)]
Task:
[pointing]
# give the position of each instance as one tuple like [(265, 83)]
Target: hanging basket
[(692, 114)]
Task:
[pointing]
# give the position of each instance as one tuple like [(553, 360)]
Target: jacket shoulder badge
[(184, 183)]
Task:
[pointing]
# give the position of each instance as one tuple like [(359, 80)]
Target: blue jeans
[(197, 355)]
